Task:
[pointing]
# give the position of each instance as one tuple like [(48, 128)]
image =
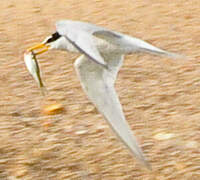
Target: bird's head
[(51, 42)]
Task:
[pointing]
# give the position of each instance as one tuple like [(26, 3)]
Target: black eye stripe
[(54, 37)]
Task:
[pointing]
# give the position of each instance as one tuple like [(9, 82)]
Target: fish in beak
[(33, 68)]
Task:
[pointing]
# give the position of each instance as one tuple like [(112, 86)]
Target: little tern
[(102, 53)]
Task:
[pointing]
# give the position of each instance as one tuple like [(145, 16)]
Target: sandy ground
[(160, 96)]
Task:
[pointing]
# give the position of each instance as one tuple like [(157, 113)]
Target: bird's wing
[(126, 43), (92, 29), (131, 44), (82, 40), (98, 84)]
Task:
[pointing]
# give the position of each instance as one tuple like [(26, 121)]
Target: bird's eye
[(53, 37)]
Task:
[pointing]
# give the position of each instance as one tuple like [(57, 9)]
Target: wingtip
[(144, 162), (147, 165), (177, 56)]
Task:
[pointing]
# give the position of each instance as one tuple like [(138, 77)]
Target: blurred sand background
[(160, 96)]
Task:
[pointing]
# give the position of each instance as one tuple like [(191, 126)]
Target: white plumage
[(97, 68)]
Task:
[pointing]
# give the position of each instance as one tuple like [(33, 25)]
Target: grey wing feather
[(99, 87), (125, 43), (85, 44), (80, 35)]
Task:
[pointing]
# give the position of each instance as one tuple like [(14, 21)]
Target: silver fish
[(34, 69)]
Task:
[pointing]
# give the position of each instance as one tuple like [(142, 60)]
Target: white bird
[(102, 52)]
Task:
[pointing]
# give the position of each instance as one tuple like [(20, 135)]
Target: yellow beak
[(41, 46)]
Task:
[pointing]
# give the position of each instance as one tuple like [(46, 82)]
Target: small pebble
[(163, 136), (80, 132), (53, 109)]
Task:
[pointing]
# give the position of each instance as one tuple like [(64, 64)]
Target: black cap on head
[(53, 37)]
